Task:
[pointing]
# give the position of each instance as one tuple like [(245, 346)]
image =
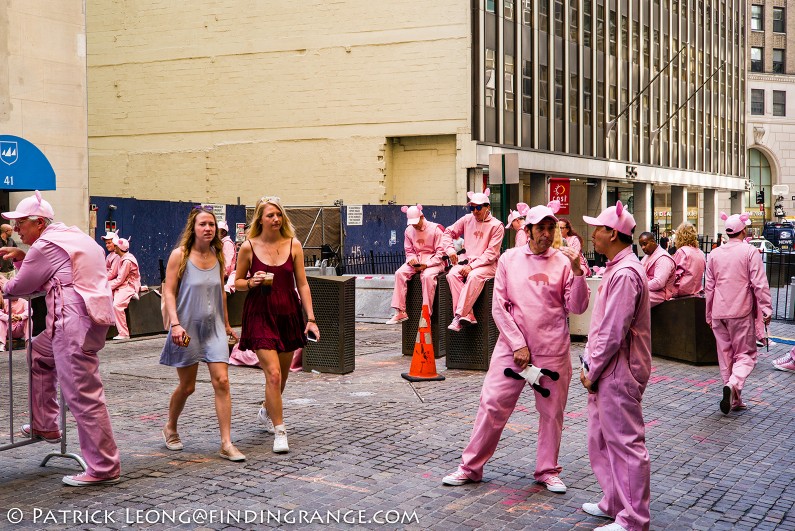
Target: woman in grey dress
[(194, 299)]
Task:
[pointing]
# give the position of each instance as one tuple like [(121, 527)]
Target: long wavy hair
[(287, 229), (686, 235), (188, 238), (571, 230)]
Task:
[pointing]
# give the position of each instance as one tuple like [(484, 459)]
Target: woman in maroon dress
[(270, 266)]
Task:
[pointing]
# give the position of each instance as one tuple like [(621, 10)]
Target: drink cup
[(267, 280)]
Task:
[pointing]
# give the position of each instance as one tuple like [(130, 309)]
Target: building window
[(574, 22), (757, 55), (600, 28), (757, 102), (543, 15), (779, 20), (586, 101), (613, 29), (527, 87), (779, 103), (778, 60), (527, 12), (759, 174), (624, 33), (613, 110), (559, 17), (573, 101), (757, 19), (509, 71), (559, 94), (543, 91), (586, 23), (490, 6), (507, 9), (490, 81)]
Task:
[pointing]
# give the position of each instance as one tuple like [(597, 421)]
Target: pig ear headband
[(723, 216), (522, 208), (404, 209), (419, 207), (554, 206), (470, 194), (745, 218), (38, 196), (487, 192), (619, 209)]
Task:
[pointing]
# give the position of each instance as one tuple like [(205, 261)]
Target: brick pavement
[(371, 441)]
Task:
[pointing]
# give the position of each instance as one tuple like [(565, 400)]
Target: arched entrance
[(761, 177)]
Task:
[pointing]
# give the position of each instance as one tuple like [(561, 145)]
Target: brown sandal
[(172, 441)]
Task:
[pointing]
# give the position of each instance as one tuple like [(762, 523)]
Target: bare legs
[(276, 367)]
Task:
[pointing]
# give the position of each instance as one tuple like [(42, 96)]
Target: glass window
[(527, 12), (778, 60), (527, 87), (543, 15), (573, 100), (779, 20), (757, 19), (559, 94), (757, 54), (779, 103), (586, 102), (624, 33), (559, 17), (613, 30), (757, 102), (490, 6), (646, 46), (600, 29), (509, 71), (507, 9), (543, 91), (489, 77), (574, 22), (759, 174), (586, 23), (613, 110)]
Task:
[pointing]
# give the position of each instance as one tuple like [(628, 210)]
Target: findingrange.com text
[(207, 516)]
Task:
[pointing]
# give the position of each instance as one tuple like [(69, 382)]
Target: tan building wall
[(242, 100), (43, 94)]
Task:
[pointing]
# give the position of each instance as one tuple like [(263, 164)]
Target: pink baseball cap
[(539, 212), (123, 244), (110, 235), (479, 198), (516, 214), (34, 205), (222, 225), (616, 217), (735, 223), (413, 214)]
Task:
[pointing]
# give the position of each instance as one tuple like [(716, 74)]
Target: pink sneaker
[(554, 484), (784, 363), (456, 479), (398, 318), (86, 480), (469, 320), (455, 325)]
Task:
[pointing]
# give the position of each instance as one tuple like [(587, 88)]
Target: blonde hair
[(557, 239), (287, 229), (188, 237), (686, 235)]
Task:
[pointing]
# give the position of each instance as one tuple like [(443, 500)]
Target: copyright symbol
[(14, 515)]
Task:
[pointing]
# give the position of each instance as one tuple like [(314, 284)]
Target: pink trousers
[(428, 280), (66, 352), (617, 449), (121, 299), (466, 293), (498, 399), (736, 341)]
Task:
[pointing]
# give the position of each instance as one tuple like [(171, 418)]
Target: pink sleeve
[(438, 250), (501, 311), (577, 294), (452, 233), (681, 260), (408, 246), (663, 269), (759, 284), (229, 258), (575, 244), (38, 267), (709, 290), (121, 278)]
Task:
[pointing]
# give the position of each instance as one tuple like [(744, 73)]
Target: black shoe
[(726, 403)]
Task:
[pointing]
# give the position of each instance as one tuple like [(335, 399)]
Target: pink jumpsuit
[(18, 328), (737, 294), (482, 241), (533, 295), (660, 268), (125, 286), (521, 238), (229, 255), (424, 246), (618, 355), (690, 267), (67, 264), (112, 265)]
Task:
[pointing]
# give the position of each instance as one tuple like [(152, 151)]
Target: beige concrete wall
[(423, 170), (43, 94), (200, 101)]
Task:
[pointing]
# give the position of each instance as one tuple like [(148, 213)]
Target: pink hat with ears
[(537, 213), (616, 217), (34, 205), (123, 243), (735, 223), (413, 214), (479, 198), (516, 214)]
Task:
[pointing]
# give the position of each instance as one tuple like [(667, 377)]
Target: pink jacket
[(424, 246), (521, 238), (620, 329), (128, 274), (112, 265), (533, 296), (481, 239), (736, 282), (689, 276), (660, 268), (229, 255)]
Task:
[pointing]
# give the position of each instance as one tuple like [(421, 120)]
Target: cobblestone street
[(369, 441)]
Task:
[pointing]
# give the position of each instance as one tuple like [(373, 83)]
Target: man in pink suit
[(17, 315), (660, 269), (737, 294), (535, 289), (482, 235), (68, 265), (616, 369), (125, 286), (112, 259), (229, 249), (422, 242)]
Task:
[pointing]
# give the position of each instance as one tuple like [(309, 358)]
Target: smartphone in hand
[(310, 336)]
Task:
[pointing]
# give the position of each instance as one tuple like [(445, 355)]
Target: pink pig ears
[(619, 209), (487, 192), (744, 217), (38, 196), (522, 208), (419, 207), (470, 194), (723, 216), (404, 209), (554, 206)]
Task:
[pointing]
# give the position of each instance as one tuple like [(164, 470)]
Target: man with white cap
[(535, 289), (66, 264), (7, 269), (125, 286), (616, 369), (660, 269), (737, 294), (229, 249), (516, 222), (482, 235), (112, 259), (422, 242)]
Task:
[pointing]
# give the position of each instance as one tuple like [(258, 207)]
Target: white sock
[(280, 427)]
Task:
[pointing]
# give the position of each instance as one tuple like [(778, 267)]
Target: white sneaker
[(265, 420), (121, 337), (455, 326), (611, 527), (456, 479), (594, 510), (398, 318), (280, 441)]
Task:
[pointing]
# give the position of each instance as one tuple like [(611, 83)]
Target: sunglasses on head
[(206, 208), (472, 208), (270, 199)]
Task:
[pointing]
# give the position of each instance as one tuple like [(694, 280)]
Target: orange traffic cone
[(423, 362)]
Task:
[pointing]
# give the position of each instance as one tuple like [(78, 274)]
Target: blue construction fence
[(155, 227)]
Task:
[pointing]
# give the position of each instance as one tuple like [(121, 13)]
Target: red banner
[(560, 189)]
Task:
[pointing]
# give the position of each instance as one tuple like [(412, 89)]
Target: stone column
[(596, 201), (539, 195), (737, 202), (643, 207), (678, 206), (711, 220)]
